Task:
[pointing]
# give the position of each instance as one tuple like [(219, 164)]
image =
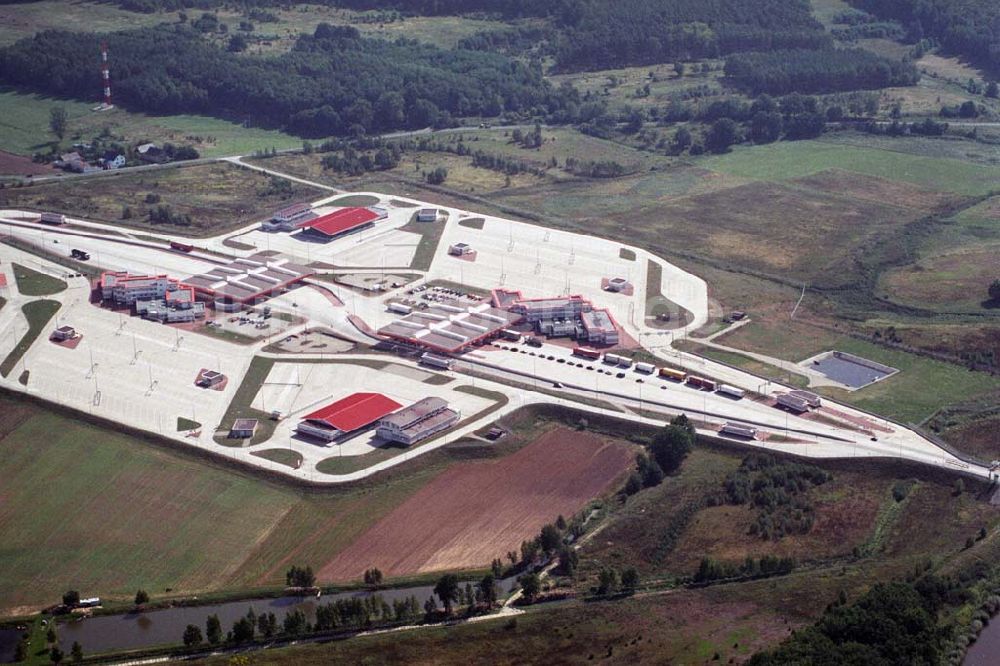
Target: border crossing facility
[(525, 315)]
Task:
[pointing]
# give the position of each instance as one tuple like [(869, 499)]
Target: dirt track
[(474, 512)]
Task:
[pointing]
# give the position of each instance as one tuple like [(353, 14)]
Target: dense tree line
[(769, 565), (332, 82), (819, 71), (600, 35), (894, 623), (970, 28)]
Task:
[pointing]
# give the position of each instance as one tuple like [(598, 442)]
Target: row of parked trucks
[(693, 381)]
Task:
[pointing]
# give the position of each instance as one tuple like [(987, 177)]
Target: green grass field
[(787, 160), (921, 387), (38, 314), (91, 509), (24, 128), (32, 283)]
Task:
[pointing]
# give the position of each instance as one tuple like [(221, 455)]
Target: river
[(137, 630), (986, 650)]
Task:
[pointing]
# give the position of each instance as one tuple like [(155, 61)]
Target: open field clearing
[(977, 437), (475, 512), (946, 147), (627, 86), (24, 121), (905, 396), (24, 20), (787, 160), (953, 281), (217, 197)]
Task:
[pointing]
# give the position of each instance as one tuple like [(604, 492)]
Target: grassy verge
[(186, 424), (430, 235), (281, 456), (38, 314), (242, 407), (33, 283)]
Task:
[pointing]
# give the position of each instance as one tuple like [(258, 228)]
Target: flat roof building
[(289, 217), (123, 288), (599, 327), (459, 249), (243, 429), (244, 281), (346, 415), (427, 215), (63, 333), (450, 328), (418, 421)]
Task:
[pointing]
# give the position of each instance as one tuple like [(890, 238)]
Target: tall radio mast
[(105, 78)]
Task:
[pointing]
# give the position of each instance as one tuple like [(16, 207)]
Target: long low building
[(346, 416), (418, 421), (450, 328), (244, 281), (341, 222)]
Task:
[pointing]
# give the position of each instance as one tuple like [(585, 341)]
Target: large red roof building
[(346, 415), (342, 221)]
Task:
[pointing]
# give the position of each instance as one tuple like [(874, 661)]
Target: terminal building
[(564, 316), (341, 222), (124, 289), (418, 421), (243, 282), (450, 329), (346, 416)]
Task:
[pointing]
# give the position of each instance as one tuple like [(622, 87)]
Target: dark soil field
[(474, 512), (18, 165), (217, 197)]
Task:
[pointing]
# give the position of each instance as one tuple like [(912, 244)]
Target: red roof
[(355, 411), (340, 221)]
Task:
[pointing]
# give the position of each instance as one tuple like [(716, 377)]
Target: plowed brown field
[(474, 512)]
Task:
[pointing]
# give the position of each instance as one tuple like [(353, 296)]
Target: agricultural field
[(213, 197), (167, 519), (483, 510)]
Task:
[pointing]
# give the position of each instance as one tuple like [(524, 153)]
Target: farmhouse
[(346, 416), (450, 328), (341, 222), (418, 421), (245, 281)]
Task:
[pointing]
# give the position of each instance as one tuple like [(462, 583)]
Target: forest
[(332, 82), (824, 71), (970, 28)]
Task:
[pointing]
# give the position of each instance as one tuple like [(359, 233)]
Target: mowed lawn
[(794, 159), (83, 507)]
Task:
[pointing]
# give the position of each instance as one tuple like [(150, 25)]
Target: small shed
[(427, 215), (64, 333), (243, 429)]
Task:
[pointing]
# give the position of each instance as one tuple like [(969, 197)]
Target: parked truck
[(647, 368), (700, 383), (731, 391), (587, 352), (79, 255), (670, 373)]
